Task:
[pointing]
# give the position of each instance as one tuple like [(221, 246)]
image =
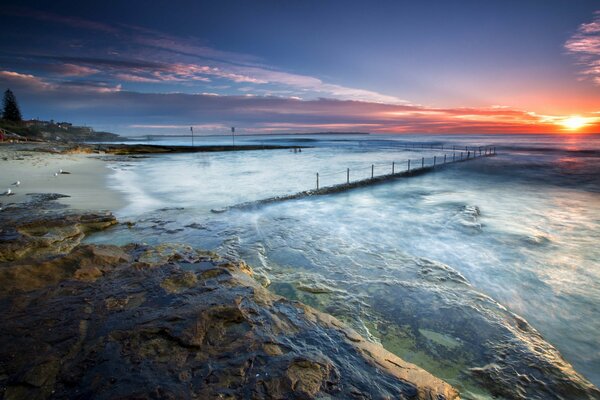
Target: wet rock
[(491, 346), (172, 322), (39, 228)]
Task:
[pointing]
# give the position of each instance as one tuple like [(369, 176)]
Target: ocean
[(433, 266)]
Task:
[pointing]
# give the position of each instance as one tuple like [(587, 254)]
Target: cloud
[(585, 46), (73, 22), (184, 61), (24, 80), (76, 70), (34, 85), (127, 112)]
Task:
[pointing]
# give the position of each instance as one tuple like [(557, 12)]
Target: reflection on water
[(406, 263)]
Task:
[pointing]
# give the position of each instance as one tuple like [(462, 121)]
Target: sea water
[(522, 227)]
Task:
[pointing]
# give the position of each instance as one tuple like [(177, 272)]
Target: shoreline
[(167, 319), (84, 178)]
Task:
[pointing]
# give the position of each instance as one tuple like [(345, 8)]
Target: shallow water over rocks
[(433, 267)]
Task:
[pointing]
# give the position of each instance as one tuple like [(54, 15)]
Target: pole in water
[(317, 181), (233, 135), (468, 154), (453, 157), (408, 166), (347, 175), (434, 160), (192, 130), (444, 159), (422, 162), (372, 170), (393, 168)]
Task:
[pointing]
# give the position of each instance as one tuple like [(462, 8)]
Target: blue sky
[(280, 66)]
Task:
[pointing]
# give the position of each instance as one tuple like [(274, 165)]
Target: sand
[(86, 183)]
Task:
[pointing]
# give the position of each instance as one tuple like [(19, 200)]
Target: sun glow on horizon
[(574, 123)]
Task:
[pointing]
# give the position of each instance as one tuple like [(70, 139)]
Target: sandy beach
[(85, 182)]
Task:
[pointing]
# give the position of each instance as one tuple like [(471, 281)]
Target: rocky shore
[(133, 149), (169, 321)]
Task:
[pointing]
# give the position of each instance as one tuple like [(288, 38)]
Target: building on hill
[(36, 122)]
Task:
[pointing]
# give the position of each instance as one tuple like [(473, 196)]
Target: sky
[(282, 66)]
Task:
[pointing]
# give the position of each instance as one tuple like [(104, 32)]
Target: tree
[(11, 110)]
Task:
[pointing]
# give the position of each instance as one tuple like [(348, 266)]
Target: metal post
[(317, 181), (453, 157), (372, 170), (347, 175), (422, 162), (393, 164), (233, 136), (444, 159), (468, 154), (480, 151), (434, 157), (408, 170), (192, 130)]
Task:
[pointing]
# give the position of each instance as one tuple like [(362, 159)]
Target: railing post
[(434, 159), (348, 175), (408, 170), (444, 159), (468, 154), (422, 162), (393, 164), (317, 181), (372, 170), (453, 157)]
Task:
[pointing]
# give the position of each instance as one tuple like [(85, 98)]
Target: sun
[(573, 123)]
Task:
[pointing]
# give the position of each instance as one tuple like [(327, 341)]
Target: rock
[(39, 228), (172, 322)]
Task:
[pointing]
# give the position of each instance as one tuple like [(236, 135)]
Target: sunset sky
[(299, 66)]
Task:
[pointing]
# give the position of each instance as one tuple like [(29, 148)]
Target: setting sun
[(574, 123)]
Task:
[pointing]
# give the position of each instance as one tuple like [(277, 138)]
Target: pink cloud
[(135, 78), (26, 80), (585, 46), (35, 84), (76, 70)]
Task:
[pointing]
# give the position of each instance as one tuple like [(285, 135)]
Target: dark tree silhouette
[(11, 110)]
